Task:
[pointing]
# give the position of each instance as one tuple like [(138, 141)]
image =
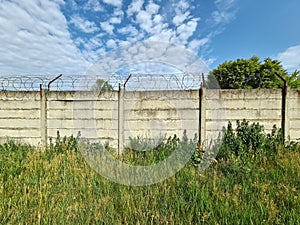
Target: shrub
[(144, 152), (248, 143), (245, 139), (62, 145)]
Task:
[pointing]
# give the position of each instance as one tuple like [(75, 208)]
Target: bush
[(145, 152), (62, 145), (248, 143), (245, 139)]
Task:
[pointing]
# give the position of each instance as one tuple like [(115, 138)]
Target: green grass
[(57, 186)]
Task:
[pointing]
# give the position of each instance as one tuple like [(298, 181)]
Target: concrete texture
[(114, 117)]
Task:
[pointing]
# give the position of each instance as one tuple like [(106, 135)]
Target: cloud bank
[(34, 41), (290, 58), (56, 36)]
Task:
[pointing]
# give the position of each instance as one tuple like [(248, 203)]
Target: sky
[(46, 37)]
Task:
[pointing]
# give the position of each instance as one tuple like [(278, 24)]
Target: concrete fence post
[(284, 108), (286, 114), (43, 116), (202, 116), (120, 119)]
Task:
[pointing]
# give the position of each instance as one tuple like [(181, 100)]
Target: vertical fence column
[(120, 119), (285, 126), (283, 110), (43, 116), (202, 115), (285, 106)]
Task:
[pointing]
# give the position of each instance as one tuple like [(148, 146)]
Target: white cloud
[(123, 44), (135, 7), (147, 19), (144, 20), (34, 39), (185, 24), (290, 58), (93, 56), (165, 35), (182, 11), (222, 17), (39, 27), (115, 20), (223, 5), (180, 18), (225, 13), (84, 25), (118, 12), (186, 30), (61, 2), (93, 43), (210, 61), (111, 43), (150, 57), (182, 5), (128, 30), (106, 26), (94, 5), (157, 29), (116, 3), (139, 37), (152, 8), (194, 45), (157, 19), (79, 41)]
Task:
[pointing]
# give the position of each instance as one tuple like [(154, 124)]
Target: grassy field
[(57, 186)]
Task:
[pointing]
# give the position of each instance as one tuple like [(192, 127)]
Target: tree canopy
[(251, 73), (102, 85)]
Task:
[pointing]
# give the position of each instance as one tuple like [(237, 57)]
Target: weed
[(249, 184)]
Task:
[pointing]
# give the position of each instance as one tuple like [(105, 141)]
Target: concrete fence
[(115, 117)]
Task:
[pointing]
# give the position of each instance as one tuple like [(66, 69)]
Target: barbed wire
[(134, 82), (21, 83)]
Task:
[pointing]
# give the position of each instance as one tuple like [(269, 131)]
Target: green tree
[(251, 73), (293, 80), (102, 85)]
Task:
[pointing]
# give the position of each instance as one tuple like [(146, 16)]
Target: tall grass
[(246, 185)]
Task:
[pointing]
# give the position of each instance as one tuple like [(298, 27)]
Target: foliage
[(247, 144), (145, 152), (65, 190), (63, 145), (246, 138), (251, 73), (293, 81), (102, 85), (252, 139)]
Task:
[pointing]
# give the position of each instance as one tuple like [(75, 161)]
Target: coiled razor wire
[(134, 82), (21, 83)]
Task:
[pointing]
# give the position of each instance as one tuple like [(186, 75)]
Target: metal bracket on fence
[(281, 78), (127, 80), (53, 81)]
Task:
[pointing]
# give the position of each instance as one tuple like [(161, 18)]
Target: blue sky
[(82, 36)]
